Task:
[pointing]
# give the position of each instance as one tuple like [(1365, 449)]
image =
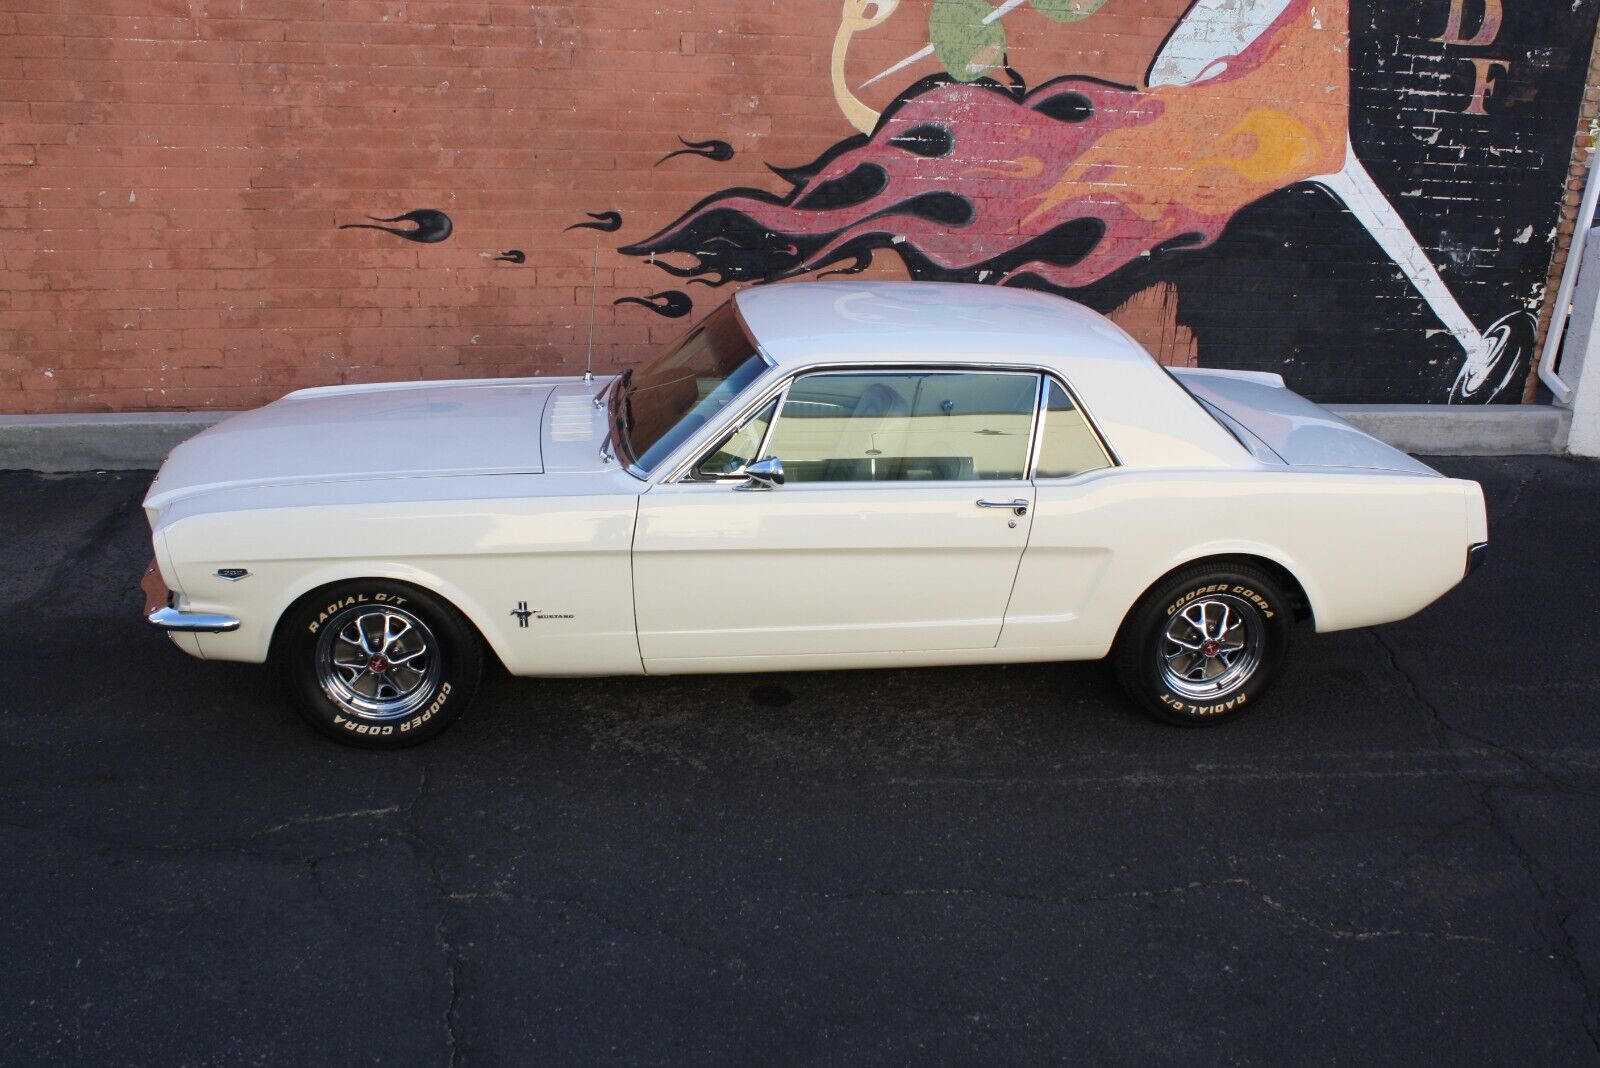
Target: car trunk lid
[(1302, 433)]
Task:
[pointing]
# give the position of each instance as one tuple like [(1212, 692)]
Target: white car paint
[(498, 492), (819, 569), (348, 434), (1299, 432)]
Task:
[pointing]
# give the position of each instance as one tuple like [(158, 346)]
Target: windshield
[(664, 401)]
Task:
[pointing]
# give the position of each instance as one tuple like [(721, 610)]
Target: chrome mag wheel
[(377, 662), (1211, 647)]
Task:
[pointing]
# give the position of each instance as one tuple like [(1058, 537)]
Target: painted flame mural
[(1086, 187), (1067, 183)]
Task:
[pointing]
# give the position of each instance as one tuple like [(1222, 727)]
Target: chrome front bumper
[(158, 609)]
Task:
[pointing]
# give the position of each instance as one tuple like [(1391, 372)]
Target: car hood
[(354, 433)]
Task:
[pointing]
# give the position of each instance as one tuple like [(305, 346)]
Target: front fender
[(569, 559)]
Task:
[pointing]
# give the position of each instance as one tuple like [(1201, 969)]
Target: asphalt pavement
[(1393, 858)]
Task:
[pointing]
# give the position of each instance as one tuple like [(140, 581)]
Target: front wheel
[(1204, 644), (378, 664)]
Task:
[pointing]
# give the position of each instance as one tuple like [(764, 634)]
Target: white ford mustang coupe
[(819, 475)]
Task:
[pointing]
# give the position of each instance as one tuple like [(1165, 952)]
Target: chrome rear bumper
[(158, 609)]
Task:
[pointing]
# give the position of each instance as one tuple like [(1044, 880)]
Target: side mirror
[(763, 474)]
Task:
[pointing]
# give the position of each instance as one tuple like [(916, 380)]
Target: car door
[(899, 526), (1083, 515)]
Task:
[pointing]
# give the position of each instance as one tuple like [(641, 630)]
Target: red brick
[(248, 130)]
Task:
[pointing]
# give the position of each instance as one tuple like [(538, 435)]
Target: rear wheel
[(1204, 644), (378, 664)]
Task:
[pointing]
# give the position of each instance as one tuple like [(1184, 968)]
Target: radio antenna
[(594, 285)]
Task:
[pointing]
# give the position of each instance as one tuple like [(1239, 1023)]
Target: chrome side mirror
[(763, 474)]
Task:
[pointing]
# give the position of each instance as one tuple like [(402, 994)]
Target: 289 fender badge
[(232, 574)]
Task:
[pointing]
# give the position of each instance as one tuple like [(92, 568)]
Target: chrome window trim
[(1039, 416), (779, 401), (698, 451), (1112, 459), (697, 448), (614, 442), (703, 456)]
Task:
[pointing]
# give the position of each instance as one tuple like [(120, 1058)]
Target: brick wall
[(174, 175)]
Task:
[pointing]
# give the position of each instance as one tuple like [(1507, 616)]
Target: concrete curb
[(140, 441), (135, 441), (1448, 430)]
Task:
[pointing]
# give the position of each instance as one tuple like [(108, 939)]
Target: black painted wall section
[(1296, 286)]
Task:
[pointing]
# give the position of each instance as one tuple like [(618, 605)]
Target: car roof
[(1148, 418), (801, 322)]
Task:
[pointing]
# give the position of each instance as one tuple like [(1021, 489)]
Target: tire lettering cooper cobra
[(1238, 591), (390, 728)]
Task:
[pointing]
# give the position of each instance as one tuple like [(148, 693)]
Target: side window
[(1068, 446), (905, 426), (738, 449)]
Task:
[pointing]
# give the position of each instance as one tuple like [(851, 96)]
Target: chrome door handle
[(1018, 506)]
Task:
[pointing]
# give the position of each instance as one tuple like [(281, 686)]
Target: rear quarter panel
[(1366, 547)]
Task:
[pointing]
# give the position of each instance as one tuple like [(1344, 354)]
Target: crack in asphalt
[(428, 853), (589, 908), (235, 847), (1446, 728), (1563, 949), (106, 843), (71, 562), (303, 821), (1195, 774), (1008, 895), (1513, 508), (1338, 934)]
